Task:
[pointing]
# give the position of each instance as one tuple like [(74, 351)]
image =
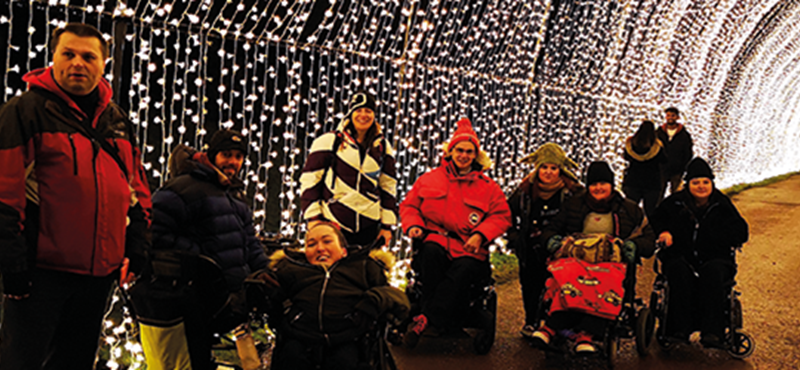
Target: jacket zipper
[(96, 205), (74, 155), (321, 302)]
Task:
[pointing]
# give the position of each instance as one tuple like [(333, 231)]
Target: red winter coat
[(455, 207), (84, 197)]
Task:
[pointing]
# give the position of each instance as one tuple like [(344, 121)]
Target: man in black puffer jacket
[(202, 211)]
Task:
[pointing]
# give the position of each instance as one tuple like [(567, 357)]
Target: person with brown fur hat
[(462, 210), (700, 228), (533, 204)]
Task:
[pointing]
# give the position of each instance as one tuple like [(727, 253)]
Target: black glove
[(261, 288), (17, 284)]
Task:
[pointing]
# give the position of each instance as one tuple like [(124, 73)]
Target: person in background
[(325, 299), (73, 206), (201, 210), (533, 204), (645, 156), (600, 210), (456, 211), (678, 147), (700, 229), (350, 178)]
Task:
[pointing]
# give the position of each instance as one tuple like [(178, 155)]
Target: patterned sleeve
[(388, 184), (311, 180)]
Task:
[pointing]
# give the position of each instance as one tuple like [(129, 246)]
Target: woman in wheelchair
[(462, 210), (324, 300), (600, 210), (700, 229), (533, 204)]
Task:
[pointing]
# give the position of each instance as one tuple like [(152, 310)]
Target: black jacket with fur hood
[(332, 306)]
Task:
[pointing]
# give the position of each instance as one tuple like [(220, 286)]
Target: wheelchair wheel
[(484, 339), (742, 344), (645, 326)]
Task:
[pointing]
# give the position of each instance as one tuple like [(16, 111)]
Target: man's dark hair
[(80, 30), (672, 110)]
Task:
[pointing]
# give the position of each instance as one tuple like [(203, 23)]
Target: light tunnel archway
[(582, 73)]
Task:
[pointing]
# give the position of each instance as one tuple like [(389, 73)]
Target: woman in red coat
[(462, 210)]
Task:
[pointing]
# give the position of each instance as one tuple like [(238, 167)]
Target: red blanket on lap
[(593, 288)]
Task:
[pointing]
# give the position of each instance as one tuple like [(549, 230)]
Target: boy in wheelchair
[(600, 210), (324, 300), (700, 229)]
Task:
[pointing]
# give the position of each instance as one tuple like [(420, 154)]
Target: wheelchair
[(737, 342), (634, 322), (373, 348), (480, 317)]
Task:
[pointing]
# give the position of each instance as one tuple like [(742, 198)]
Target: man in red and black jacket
[(73, 206)]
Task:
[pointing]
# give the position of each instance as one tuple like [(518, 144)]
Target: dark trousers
[(201, 323), (569, 323), (698, 301), (532, 276), (650, 197), (295, 355), (673, 182), (446, 282), (58, 326)]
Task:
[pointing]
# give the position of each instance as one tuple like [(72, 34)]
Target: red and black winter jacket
[(85, 199)]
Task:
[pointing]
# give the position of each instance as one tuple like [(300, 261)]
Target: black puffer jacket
[(629, 222), (331, 307), (202, 211), (699, 236)]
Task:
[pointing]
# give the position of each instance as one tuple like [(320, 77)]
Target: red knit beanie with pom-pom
[(464, 132)]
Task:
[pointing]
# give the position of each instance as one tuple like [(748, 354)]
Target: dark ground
[(767, 271)]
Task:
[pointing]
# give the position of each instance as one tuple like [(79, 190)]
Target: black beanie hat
[(599, 172), (698, 168), (361, 100), (225, 140)]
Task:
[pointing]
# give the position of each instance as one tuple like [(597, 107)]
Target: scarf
[(546, 191)]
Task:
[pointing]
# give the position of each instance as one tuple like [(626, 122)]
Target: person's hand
[(125, 276), (629, 251), (473, 244), (415, 232), (665, 238), (268, 279), (387, 236)]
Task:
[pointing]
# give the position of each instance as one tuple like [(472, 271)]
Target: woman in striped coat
[(349, 177)]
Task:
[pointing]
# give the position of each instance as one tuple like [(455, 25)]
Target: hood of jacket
[(186, 160), (43, 78)]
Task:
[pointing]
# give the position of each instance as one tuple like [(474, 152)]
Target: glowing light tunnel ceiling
[(579, 73)]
